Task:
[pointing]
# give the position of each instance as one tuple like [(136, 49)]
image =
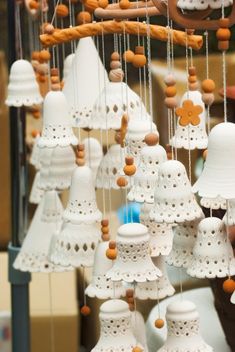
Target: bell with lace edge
[(203, 4), (213, 203)]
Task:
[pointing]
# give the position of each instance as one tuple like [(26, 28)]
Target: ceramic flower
[(189, 113)]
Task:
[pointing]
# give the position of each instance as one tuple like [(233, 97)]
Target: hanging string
[(149, 62), (18, 24), (227, 235), (181, 283), (207, 77), (224, 72), (145, 82), (188, 128)]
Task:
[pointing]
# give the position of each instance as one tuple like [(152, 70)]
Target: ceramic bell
[(36, 193), (35, 154), (86, 79), (218, 176), (111, 167), (33, 255), (57, 166), (191, 137), (161, 235), (183, 330), (229, 217), (23, 88), (133, 262), (233, 298), (100, 286), (213, 203), (203, 4), (145, 179), (75, 245), (183, 242), (174, 201), (158, 289), (116, 332), (57, 128), (52, 207), (82, 207), (68, 62), (139, 330), (93, 154), (212, 252)]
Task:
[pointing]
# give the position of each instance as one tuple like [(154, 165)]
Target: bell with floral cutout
[(174, 201), (23, 88), (183, 330), (133, 263), (203, 4), (212, 252)]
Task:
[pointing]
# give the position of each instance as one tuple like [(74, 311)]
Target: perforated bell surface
[(203, 4)]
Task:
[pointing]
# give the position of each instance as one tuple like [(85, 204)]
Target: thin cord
[(207, 76)]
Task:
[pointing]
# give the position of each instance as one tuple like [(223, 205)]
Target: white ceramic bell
[(100, 286), (161, 235), (33, 255), (133, 262), (75, 245), (36, 193), (111, 167), (183, 242), (93, 154), (135, 137), (203, 4), (233, 298), (191, 137), (218, 176), (82, 207), (213, 203), (116, 332), (52, 207), (85, 81), (57, 129), (35, 154), (174, 201), (57, 166), (68, 62), (145, 179), (229, 216), (183, 330), (212, 252), (158, 289), (23, 88)]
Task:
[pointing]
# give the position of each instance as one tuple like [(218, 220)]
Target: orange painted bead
[(103, 3), (139, 60), (129, 160), (129, 292), (105, 230), (54, 71), (91, 5), (34, 5), (80, 162), (105, 237), (124, 4), (112, 244), (62, 10), (111, 253), (129, 170), (137, 349), (105, 222), (170, 91), (42, 78), (34, 133), (128, 56), (192, 79), (36, 114), (151, 139), (159, 323), (192, 70), (170, 102), (85, 311), (49, 28), (35, 55), (55, 79), (224, 22), (223, 34), (115, 56), (208, 85), (83, 17), (229, 286), (208, 98), (44, 55), (122, 182)]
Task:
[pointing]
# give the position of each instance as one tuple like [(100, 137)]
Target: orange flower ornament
[(189, 113)]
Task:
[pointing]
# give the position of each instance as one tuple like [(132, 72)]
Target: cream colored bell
[(203, 4), (36, 193), (212, 252), (100, 286), (213, 203), (145, 179), (229, 217), (158, 289), (93, 154), (183, 242), (133, 262), (218, 176), (174, 201), (161, 235), (116, 333), (52, 207), (183, 330), (81, 207), (233, 298), (57, 128), (68, 62), (23, 88)]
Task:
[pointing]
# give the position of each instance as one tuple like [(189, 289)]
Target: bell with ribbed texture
[(100, 286), (183, 330), (191, 137), (212, 252), (145, 179), (203, 4), (36, 193), (218, 176), (82, 207), (23, 88), (93, 154), (161, 235), (57, 128), (133, 263), (158, 289), (174, 201), (116, 334)]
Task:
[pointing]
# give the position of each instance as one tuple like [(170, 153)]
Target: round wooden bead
[(129, 292), (192, 71), (122, 182), (81, 147), (80, 162), (54, 71), (204, 154), (192, 79), (44, 55), (103, 3), (85, 310), (170, 102), (105, 222), (139, 60), (115, 56), (223, 45), (193, 86), (159, 323), (34, 5), (223, 34), (151, 139), (128, 56), (139, 50), (83, 17), (124, 4), (137, 349), (131, 300), (91, 5), (42, 78), (208, 98), (229, 286), (114, 64), (43, 69), (49, 28), (224, 22), (34, 133), (105, 230), (170, 91), (80, 154), (190, 31), (170, 80), (36, 114), (55, 79), (111, 253), (62, 10), (112, 244), (208, 85), (129, 160), (35, 55), (105, 237), (129, 170)]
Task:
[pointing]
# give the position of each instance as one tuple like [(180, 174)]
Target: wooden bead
[(62, 10), (85, 310), (192, 79), (105, 237), (170, 80), (111, 253), (223, 45), (131, 300), (34, 5), (55, 79), (159, 323), (128, 56), (103, 3), (34, 133), (208, 85), (105, 222), (170, 102), (91, 5), (54, 71), (36, 114), (129, 170), (81, 154), (124, 4), (35, 55), (105, 230), (49, 28), (204, 154), (115, 56), (114, 64), (42, 69), (139, 50), (129, 292), (223, 34), (112, 244), (129, 160), (83, 17), (122, 182), (139, 61), (44, 55), (170, 91), (208, 98), (137, 349), (80, 162), (193, 86), (229, 286), (80, 147), (151, 139), (42, 78), (224, 22), (192, 71)]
